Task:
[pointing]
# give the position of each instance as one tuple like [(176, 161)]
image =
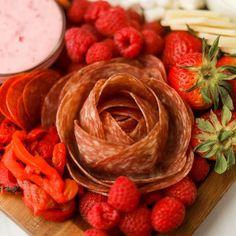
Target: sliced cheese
[(229, 50), (198, 21), (223, 42), (195, 13)]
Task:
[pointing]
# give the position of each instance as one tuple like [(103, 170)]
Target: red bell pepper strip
[(36, 198), (8, 182), (62, 213), (59, 157), (48, 179)]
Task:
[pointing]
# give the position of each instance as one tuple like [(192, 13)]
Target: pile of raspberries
[(98, 31), (125, 211)]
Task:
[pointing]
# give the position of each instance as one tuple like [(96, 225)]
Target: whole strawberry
[(200, 169), (167, 215), (199, 81), (136, 223), (229, 61), (185, 190), (87, 201), (103, 216), (213, 138), (124, 195), (177, 44), (95, 232)]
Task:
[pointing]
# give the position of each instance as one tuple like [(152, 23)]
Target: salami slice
[(121, 118), (35, 92), (51, 102)]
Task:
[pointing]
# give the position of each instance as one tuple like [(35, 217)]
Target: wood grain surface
[(209, 193)]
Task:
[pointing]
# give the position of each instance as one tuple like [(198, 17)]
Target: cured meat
[(35, 92), (121, 118), (51, 102), (22, 96)]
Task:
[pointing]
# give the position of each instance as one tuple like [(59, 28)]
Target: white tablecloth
[(220, 222)]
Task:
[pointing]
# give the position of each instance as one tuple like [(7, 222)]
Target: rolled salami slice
[(51, 102), (121, 118)]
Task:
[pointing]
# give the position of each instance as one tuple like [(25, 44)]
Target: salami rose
[(121, 118)]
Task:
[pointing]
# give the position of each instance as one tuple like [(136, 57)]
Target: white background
[(220, 222)]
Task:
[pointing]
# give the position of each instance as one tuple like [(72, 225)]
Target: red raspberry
[(90, 28), (136, 223), (124, 195), (75, 67), (129, 41), (95, 232), (103, 216), (135, 25), (77, 9), (155, 26), (185, 191), (95, 10), (152, 198), (153, 43), (101, 51), (200, 169), (111, 43), (167, 215), (87, 201), (78, 42), (114, 20), (134, 15)]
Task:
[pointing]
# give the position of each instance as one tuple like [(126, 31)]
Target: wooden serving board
[(209, 193)]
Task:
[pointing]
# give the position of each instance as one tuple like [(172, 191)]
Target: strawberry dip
[(31, 32)]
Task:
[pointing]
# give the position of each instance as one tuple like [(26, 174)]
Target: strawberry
[(200, 169), (167, 215), (229, 61), (199, 81), (177, 44), (185, 190), (136, 223), (124, 195), (213, 138)]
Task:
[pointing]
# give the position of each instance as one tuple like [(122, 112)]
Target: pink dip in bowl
[(31, 35)]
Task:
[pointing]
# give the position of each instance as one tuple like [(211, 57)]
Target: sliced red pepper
[(62, 213), (48, 178), (8, 182), (7, 128), (59, 157), (35, 197)]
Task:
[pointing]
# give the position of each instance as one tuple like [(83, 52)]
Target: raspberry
[(136, 223), (155, 26), (135, 25), (90, 28), (75, 67), (76, 11), (101, 51), (78, 42), (103, 216), (129, 41), (185, 191), (153, 43), (134, 15), (95, 232), (152, 198), (167, 215), (200, 169), (87, 201), (124, 195), (114, 20), (95, 10)]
